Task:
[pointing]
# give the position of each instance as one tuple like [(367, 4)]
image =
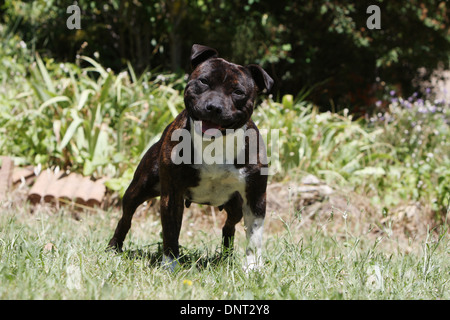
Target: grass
[(51, 255)]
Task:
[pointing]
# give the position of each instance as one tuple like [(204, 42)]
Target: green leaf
[(105, 88), (88, 168), (83, 98), (131, 70), (70, 132), (52, 101), (98, 67), (44, 73), (370, 171)]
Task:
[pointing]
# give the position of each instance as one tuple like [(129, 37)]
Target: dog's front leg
[(234, 214), (254, 230), (171, 218), (254, 211)]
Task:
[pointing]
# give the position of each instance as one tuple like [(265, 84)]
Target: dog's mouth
[(207, 125), (208, 128)]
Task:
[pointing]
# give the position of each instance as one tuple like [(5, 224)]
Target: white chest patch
[(217, 183), (219, 178)]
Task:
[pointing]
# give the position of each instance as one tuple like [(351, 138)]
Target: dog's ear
[(261, 78), (201, 53)]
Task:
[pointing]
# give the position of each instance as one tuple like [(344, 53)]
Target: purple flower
[(420, 102), (406, 104), (378, 103), (392, 93), (422, 109)]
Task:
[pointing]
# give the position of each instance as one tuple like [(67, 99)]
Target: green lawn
[(48, 254)]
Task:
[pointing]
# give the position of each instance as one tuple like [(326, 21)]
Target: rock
[(286, 196), (310, 179), (59, 186)]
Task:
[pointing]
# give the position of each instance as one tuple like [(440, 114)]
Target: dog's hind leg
[(133, 198), (171, 219), (145, 185)]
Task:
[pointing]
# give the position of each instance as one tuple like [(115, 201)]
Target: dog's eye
[(239, 92), (204, 81)]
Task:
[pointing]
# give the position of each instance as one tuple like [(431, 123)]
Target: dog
[(219, 100)]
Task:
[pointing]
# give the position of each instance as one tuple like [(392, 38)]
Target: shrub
[(398, 155), (88, 119)]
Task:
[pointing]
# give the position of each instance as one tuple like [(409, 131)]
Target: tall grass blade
[(105, 88), (131, 71), (70, 132), (98, 67), (52, 101), (44, 73), (83, 98)]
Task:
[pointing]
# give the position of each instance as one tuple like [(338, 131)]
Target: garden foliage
[(95, 121)]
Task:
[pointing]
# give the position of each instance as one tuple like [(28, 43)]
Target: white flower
[(160, 77)]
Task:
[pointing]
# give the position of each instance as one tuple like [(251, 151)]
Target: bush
[(398, 155), (87, 119), (418, 129)]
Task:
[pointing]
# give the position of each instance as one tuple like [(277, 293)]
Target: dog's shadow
[(188, 257)]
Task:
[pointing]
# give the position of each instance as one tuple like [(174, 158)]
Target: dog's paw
[(252, 268), (114, 246), (253, 264), (170, 264)]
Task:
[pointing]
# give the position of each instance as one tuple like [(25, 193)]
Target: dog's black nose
[(214, 108)]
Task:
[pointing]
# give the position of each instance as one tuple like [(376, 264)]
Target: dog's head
[(222, 94)]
